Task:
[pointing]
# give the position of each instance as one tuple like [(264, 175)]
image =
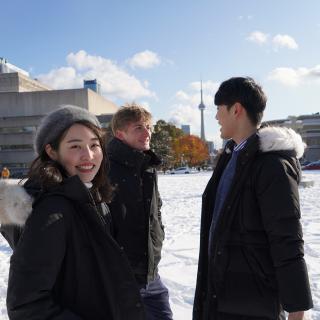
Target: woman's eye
[(75, 147)]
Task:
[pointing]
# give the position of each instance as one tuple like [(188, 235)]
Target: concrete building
[(211, 148), (23, 102), (308, 126), (18, 82), (94, 85), (185, 128), (212, 152), (6, 67)]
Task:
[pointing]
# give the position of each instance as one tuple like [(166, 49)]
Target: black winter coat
[(138, 229), (256, 264), (66, 265)]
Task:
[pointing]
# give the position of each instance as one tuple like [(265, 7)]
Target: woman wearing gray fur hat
[(65, 264)]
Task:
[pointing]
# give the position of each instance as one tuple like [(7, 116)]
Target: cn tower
[(201, 108)]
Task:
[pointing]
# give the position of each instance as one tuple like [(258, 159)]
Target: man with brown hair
[(138, 228)]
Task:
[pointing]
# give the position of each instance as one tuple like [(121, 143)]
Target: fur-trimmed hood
[(15, 204), (275, 139), (281, 139), (17, 201)]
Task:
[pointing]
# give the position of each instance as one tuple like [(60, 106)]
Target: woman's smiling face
[(79, 152)]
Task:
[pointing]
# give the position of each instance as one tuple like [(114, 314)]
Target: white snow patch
[(181, 197)]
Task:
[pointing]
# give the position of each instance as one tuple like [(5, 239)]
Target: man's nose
[(147, 131)]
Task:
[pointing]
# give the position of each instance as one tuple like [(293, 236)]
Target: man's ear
[(53, 155), (119, 134), (238, 109)]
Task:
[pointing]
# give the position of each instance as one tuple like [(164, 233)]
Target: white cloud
[(146, 105), (258, 37), (295, 77), (216, 138), (208, 86), (185, 108), (145, 60), (185, 114), (182, 96), (62, 78), (115, 81), (279, 41), (248, 17), (83, 61), (315, 72), (284, 41), (286, 76)]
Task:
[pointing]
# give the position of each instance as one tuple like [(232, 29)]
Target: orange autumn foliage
[(190, 150)]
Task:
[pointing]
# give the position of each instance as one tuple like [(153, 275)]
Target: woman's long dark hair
[(50, 173)]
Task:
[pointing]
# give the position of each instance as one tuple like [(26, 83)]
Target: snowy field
[(181, 195)]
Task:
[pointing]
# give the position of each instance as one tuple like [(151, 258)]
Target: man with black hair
[(251, 263)]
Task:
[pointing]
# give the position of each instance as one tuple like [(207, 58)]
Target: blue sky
[(156, 52)]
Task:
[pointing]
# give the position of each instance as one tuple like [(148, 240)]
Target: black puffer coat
[(66, 265), (138, 229), (256, 263)]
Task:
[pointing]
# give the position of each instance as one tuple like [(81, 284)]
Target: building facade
[(308, 126), (18, 82), (94, 85), (23, 102), (185, 128)]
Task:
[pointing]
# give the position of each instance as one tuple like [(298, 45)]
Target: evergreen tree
[(164, 134)]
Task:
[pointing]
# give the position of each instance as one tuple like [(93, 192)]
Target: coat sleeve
[(159, 200), (36, 264), (278, 197), (11, 233)]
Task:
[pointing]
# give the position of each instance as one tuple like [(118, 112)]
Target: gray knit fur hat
[(57, 121)]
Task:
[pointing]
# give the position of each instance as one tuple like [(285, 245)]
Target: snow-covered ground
[(181, 195)]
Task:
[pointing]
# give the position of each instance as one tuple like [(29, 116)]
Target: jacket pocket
[(249, 287), (261, 268)]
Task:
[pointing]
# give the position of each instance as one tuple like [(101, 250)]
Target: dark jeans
[(155, 298)]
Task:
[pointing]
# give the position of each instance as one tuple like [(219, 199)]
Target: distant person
[(138, 229), (5, 173), (65, 264), (251, 263)]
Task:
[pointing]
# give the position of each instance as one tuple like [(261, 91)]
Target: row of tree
[(176, 148)]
